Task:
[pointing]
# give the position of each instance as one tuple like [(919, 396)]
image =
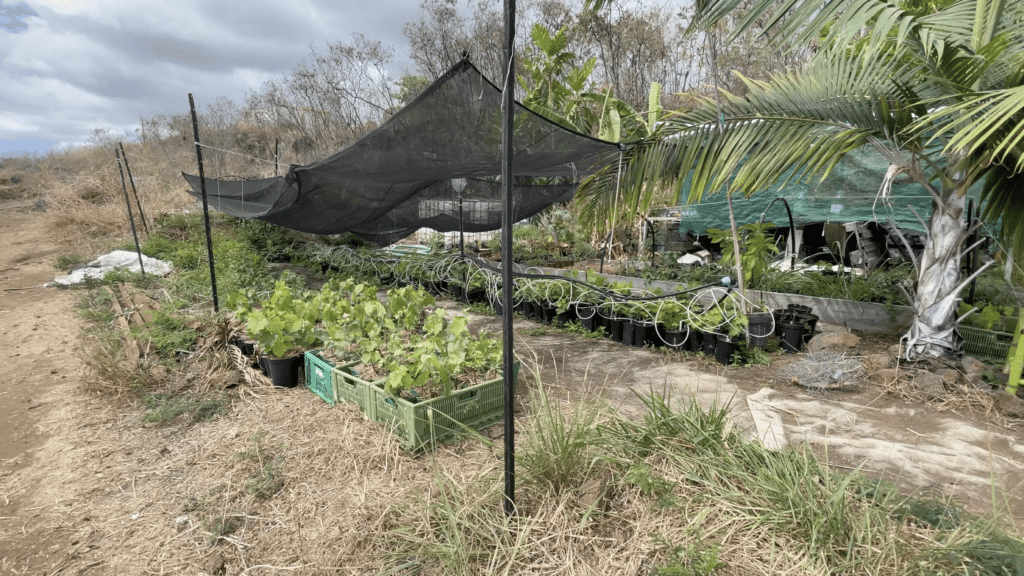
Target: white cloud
[(85, 64)]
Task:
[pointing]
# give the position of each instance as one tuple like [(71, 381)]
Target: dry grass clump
[(84, 194), (16, 178)]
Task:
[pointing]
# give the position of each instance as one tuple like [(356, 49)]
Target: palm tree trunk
[(939, 283)]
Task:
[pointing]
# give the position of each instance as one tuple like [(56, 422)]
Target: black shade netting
[(451, 131), (437, 207)]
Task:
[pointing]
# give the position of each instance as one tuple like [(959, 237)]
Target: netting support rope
[(198, 144)]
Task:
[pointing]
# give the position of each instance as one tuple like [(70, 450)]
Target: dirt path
[(38, 358)]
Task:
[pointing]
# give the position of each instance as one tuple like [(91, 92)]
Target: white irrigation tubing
[(716, 302), (561, 290), (679, 328)]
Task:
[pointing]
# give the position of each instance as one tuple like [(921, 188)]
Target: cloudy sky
[(68, 67)]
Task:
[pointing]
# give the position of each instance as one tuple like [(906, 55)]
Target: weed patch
[(269, 462), (163, 409)]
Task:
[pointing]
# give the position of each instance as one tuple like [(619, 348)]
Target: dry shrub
[(85, 197), (16, 178)]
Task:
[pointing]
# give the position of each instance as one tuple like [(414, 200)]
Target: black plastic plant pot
[(520, 308), (261, 361), (616, 330), (547, 313), (778, 314), (759, 327), (810, 323), (284, 372), (247, 348), (627, 332), (799, 308), (710, 343), (725, 348), (563, 318), (695, 343), (498, 307), (641, 333), (676, 338), (588, 316), (477, 295), (792, 337)]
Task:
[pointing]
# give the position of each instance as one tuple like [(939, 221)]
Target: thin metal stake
[(206, 209), (131, 218), (135, 192), (462, 252), (507, 220), (277, 153)]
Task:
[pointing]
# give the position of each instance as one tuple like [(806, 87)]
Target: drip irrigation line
[(792, 228), (725, 282)]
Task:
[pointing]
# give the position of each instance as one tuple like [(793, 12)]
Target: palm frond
[(795, 127), (1003, 200), (992, 121)]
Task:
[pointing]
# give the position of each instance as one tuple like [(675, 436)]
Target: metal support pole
[(277, 154), (462, 251), (206, 209), (507, 220), (131, 219), (135, 192)]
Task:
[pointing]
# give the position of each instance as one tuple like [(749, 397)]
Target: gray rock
[(896, 350), (973, 368), (883, 377), (833, 342), (825, 327), (950, 377), (929, 385), (874, 362), (1007, 405)]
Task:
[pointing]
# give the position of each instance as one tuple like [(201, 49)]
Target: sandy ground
[(38, 358), (85, 489)]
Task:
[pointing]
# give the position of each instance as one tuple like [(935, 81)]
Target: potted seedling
[(671, 317), (283, 328)]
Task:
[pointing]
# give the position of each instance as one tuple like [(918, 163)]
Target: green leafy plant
[(283, 324), (721, 316), (991, 316), (757, 249), (434, 359), (672, 313), (67, 261)]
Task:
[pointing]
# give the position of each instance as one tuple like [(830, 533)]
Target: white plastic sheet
[(116, 260)]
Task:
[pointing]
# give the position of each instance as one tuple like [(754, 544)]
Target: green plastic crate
[(350, 387), (320, 377), (425, 424), (986, 344)]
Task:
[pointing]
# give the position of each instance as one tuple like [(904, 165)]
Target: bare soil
[(87, 488)]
